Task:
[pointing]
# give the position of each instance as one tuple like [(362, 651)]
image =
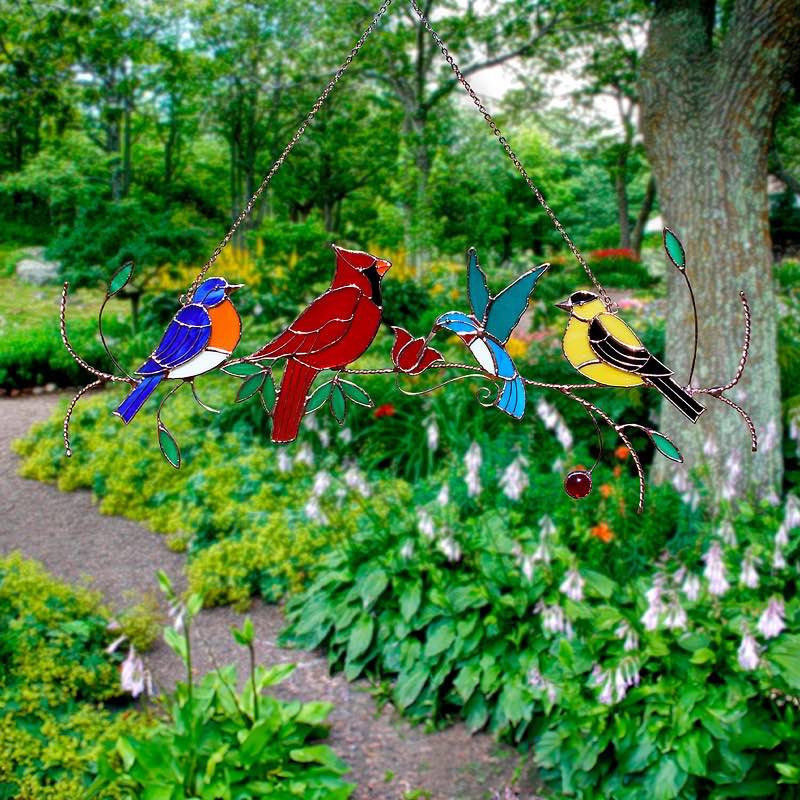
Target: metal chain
[(475, 99), (289, 147), (511, 154)]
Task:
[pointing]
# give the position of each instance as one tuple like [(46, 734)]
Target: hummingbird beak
[(233, 287), (383, 266), (565, 305)]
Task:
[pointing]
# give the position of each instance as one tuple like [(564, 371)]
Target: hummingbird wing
[(506, 309), (322, 324), (185, 337), (477, 286), (629, 358)]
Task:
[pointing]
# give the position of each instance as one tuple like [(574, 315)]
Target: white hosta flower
[(407, 550), (132, 675), (628, 636), (356, 480), (691, 587), (449, 546), (443, 498), (563, 434), (514, 480), (312, 424), (305, 456), (425, 525), (314, 512), (432, 432), (538, 681), (527, 567), (542, 553), (546, 526), (781, 536), (553, 619), (346, 435), (772, 621), (715, 570), (322, 482), (772, 499), (572, 585), (675, 618), (177, 613), (284, 462), (473, 458), (778, 559), (791, 517), (606, 696), (748, 653), (473, 482), (727, 534), (558, 465), (324, 438), (749, 575), (547, 413)]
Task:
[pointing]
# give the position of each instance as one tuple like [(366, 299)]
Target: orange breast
[(226, 327)]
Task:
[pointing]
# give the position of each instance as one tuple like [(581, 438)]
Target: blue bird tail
[(135, 400), (512, 398)]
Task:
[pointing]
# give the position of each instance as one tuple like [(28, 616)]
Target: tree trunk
[(707, 114), (644, 214)]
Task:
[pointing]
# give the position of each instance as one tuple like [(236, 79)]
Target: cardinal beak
[(383, 266), (233, 287), (565, 305)]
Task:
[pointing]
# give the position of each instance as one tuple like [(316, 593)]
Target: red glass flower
[(412, 355)]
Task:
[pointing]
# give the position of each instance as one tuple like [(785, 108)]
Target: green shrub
[(55, 677), (219, 742), (620, 268), (525, 633)]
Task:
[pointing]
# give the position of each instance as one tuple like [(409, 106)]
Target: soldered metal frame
[(246, 369)]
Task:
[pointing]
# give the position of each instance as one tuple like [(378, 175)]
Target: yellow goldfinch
[(604, 349)]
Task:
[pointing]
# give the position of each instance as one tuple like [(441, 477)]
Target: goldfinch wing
[(629, 358)]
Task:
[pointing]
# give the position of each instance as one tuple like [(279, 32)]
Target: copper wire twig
[(102, 377)]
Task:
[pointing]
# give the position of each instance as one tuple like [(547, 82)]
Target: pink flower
[(772, 622)]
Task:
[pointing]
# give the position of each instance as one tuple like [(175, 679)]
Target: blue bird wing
[(506, 309), (477, 286), (503, 363), (185, 337), (512, 398), (457, 322)]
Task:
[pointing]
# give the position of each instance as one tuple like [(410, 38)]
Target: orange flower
[(605, 490), (602, 532), (622, 452), (617, 471)]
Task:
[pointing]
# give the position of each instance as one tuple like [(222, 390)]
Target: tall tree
[(713, 77)]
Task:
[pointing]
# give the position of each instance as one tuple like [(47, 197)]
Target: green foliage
[(217, 741), (525, 633), (55, 677)]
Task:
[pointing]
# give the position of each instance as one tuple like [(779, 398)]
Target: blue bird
[(201, 336), (487, 330)]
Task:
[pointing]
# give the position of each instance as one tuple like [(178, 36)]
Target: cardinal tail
[(297, 379), (679, 398), (130, 406)]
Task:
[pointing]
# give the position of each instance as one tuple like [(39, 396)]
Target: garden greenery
[(56, 679)]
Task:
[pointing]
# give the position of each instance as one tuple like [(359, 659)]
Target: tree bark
[(707, 118)]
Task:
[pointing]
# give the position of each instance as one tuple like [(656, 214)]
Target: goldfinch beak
[(565, 305)]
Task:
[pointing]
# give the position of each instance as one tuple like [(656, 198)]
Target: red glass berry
[(578, 483)]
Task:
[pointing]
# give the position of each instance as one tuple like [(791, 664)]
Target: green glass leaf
[(120, 278), (319, 397), (356, 394), (250, 387), (242, 369), (338, 404), (665, 446), (169, 447), (674, 248), (268, 393)]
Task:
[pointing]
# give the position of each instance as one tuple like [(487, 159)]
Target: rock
[(38, 389), (50, 387), (35, 269)]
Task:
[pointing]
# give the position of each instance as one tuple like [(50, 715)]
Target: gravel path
[(388, 757)]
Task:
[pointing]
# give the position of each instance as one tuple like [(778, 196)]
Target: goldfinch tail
[(679, 398)]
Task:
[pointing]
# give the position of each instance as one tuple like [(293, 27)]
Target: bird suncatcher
[(339, 326)]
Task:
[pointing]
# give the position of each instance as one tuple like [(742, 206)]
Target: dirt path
[(388, 757)]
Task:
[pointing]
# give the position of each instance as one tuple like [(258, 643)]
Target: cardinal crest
[(321, 345)]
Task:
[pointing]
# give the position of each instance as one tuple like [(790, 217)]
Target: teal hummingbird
[(487, 330)]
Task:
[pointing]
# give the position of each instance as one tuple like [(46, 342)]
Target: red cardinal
[(335, 330)]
